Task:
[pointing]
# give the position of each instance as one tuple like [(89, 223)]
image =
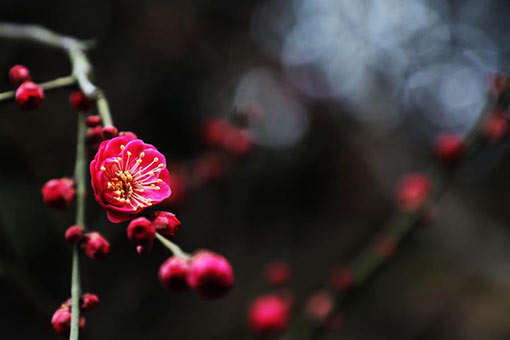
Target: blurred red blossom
[(277, 273), (211, 276), (319, 305), (496, 127), (173, 273), (449, 147), (268, 315), (413, 191)]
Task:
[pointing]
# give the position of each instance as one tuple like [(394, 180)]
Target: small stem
[(80, 172), (75, 295), (82, 70), (174, 248), (39, 35), (54, 84), (104, 109), (75, 49)]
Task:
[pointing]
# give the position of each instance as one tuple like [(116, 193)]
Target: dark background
[(313, 201)]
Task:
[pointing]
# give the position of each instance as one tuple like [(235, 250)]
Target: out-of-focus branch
[(174, 248), (398, 226)]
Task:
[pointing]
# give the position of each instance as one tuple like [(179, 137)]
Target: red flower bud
[(93, 121), (73, 234), (173, 273), (277, 273), (140, 231), (449, 147), (128, 134), (18, 74), (341, 278), (496, 127), (61, 321), (412, 192), (95, 246), (268, 315), (94, 135), (80, 102), (89, 302), (110, 132), (29, 96), (211, 275), (319, 305), (165, 223), (59, 193)]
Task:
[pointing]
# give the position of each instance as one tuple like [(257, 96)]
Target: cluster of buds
[(97, 133), (269, 314), (29, 95), (235, 140), (225, 139), (450, 147), (142, 231), (93, 244), (61, 320), (208, 274)]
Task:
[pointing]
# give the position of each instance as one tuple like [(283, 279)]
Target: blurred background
[(347, 97)]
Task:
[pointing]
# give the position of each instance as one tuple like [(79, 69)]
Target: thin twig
[(75, 49), (174, 248), (80, 172), (54, 84)]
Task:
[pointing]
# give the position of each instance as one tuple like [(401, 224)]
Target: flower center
[(122, 185), (128, 181)]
